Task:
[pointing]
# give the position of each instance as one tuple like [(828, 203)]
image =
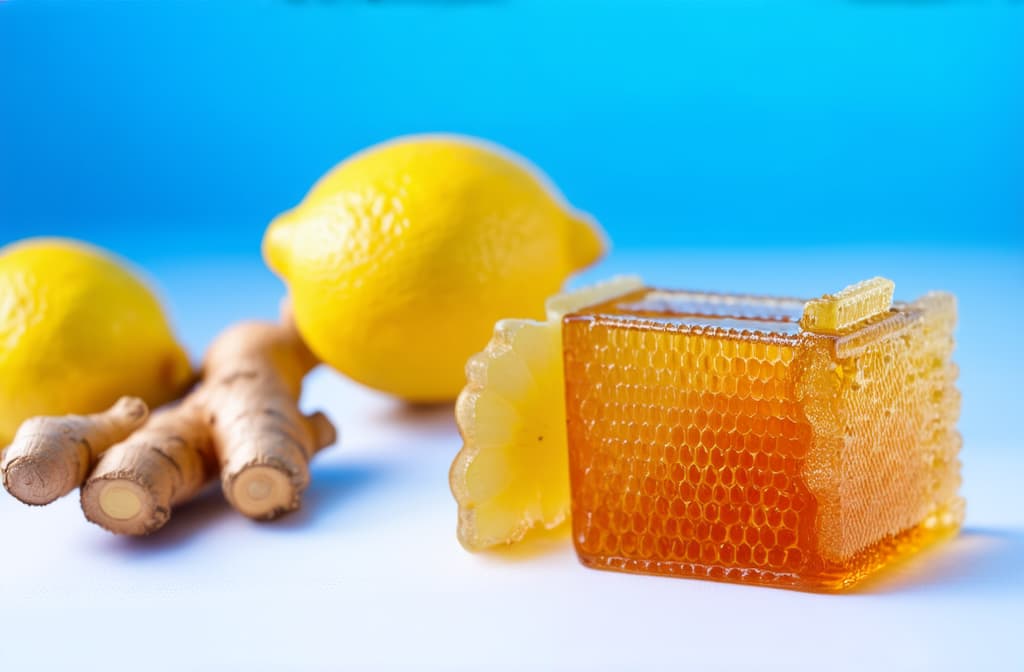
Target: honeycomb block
[(712, 436)]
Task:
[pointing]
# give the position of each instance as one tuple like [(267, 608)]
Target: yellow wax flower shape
[(512, 472)]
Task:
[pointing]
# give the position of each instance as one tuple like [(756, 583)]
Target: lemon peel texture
[(400, 260)]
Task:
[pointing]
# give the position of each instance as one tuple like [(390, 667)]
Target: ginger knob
[(51, 455)]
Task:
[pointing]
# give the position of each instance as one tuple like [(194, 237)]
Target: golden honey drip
[(711, 436)]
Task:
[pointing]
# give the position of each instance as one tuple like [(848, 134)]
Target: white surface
[(369, 572)]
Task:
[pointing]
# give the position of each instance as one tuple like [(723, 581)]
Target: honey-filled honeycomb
[(713, 436)]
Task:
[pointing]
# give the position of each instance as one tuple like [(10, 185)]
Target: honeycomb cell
[(714, 436)]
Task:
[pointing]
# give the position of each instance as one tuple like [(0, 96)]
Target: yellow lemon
[(400, 259), (77, 331)]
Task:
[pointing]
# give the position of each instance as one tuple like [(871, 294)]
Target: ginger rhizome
[(51, 455), (241, 421), (137, 482), (252, 381)]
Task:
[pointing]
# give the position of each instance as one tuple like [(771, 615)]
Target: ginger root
[(138, 481), (51, 455), (242, 420), (252, 380)]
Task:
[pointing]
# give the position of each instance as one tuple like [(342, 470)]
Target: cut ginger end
[(512, 473)]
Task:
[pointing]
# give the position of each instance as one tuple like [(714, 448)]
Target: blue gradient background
[(182, 127)]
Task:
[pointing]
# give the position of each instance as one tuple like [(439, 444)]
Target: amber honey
[(714, 436)]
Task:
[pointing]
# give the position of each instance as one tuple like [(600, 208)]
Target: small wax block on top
[(835, 313), (761, 440)]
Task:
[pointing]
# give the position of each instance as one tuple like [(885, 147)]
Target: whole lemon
[(77, 331), (401, 258)]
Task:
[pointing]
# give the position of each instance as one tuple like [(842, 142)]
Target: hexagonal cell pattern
[(710, 436)]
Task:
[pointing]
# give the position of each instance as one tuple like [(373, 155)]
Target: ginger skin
[(252, 380), (242, 420), (51, 455), (138, 481)]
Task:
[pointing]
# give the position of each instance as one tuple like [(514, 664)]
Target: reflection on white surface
[(369, 571)]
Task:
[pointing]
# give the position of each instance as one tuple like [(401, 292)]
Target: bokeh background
[(168, 128)]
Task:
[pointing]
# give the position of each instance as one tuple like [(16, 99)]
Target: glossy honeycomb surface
[(711, 436)]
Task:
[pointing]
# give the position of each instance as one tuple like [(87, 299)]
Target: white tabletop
[(370, 572)]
